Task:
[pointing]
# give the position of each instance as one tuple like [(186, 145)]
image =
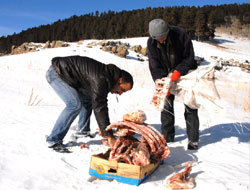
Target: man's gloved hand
[(175, 75)]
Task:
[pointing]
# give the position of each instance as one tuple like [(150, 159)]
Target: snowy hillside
[(29, 109)]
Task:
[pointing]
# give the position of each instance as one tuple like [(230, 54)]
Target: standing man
[(83, 84), (170, 50)]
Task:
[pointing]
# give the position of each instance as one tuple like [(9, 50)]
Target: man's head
[(158, 29), (124, 83)]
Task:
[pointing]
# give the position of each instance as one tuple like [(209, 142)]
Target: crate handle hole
[(112, 170)]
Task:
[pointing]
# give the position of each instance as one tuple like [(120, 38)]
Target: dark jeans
[(168, 120)]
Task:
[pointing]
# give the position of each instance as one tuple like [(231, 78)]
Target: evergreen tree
[(173, 16), (187, 20), (211, 23), (201, 27)]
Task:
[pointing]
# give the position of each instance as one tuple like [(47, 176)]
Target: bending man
[(83, 84)]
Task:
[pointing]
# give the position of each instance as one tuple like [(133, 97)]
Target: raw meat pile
[(180, 181), (151, 146)]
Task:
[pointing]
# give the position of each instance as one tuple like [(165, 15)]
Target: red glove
[(175, 76)]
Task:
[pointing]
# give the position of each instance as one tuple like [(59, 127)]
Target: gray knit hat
[(158, 29)]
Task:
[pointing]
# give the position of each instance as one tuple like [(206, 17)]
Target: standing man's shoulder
[(176, 31), (150, 40), (151, 43)]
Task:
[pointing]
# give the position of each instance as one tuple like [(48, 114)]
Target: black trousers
[(168, 120)]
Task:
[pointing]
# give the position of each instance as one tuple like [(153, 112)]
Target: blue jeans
[(76, 104)]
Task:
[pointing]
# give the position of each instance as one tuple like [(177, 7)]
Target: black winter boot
[(192, 145)]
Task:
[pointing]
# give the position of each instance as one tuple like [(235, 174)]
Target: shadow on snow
[(216, 133), (219, 132)]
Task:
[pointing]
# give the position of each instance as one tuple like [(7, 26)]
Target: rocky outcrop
[(116, 48), (32, 47), (47, 45), (120, 49), (139, 49), (224, 63), (136, 48), (57, 44), (25, 47), (144, 51)]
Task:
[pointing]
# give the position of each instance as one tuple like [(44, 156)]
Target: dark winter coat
[(92, 78), (176, 53)]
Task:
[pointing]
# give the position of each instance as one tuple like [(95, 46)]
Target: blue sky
[(18, 15)]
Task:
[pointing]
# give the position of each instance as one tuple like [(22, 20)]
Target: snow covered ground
[(29, 108)]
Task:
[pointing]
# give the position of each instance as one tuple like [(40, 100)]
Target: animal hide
[(196, 89)]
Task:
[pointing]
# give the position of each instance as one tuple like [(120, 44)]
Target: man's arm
[(156, 69), (100, 105)]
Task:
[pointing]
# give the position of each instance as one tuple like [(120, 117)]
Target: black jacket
[(176, 53), (92, 78)]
